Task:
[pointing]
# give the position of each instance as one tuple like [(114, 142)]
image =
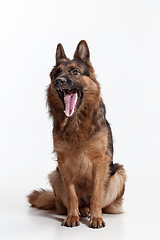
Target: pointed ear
[(82, 51), (60, 54)]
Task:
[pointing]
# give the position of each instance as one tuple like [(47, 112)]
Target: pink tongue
[(70, 103)]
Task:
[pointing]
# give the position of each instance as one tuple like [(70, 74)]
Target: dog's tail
[(43, 199)]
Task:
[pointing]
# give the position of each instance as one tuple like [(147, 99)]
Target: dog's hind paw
[(84, 212)]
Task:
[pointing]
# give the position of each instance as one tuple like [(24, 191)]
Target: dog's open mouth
[(71, 100)]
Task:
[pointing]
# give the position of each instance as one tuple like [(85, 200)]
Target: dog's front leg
[(71, 202), (99, 173), (72, 218)]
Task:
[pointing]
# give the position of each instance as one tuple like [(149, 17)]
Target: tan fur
[(115, 207), (111, 202), (42, 199), (114, 188), (86, 180)]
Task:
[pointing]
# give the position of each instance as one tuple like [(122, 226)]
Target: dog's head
[(73, 81)]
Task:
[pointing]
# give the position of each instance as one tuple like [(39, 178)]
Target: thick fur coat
[(86, 181)]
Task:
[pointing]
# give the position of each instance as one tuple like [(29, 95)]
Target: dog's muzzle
[(70, 92)]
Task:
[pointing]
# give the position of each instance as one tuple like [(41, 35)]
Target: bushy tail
[(42, 199)]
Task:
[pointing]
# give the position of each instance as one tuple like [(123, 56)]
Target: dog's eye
[(75, 72)]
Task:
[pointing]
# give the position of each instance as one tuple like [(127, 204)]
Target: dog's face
[(74, 80)]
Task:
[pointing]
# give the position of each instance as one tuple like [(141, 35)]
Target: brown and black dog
[(86, 181)]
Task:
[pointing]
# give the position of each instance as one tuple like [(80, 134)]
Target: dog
[(86, 181)]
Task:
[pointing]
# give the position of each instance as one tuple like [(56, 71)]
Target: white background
[(124, 41)]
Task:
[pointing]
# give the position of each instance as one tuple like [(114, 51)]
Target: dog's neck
[(82, 126)]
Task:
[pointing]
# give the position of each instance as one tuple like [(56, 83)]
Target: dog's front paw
[(96, 222), (71, 221)]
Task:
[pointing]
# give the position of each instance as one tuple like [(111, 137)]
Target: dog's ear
[(60, 54), (82, 51)]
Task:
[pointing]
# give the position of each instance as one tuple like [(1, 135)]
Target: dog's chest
[(78, 165)]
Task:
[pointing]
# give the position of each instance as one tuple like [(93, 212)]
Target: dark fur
[(86, 180)]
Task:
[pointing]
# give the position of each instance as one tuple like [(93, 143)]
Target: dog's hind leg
[(113, 192), (59, 191), (115, 207), (53, 199)]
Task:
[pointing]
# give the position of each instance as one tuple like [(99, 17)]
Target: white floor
[(140, 221), (124, 41)]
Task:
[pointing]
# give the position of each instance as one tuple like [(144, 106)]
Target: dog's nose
[(60, 81)]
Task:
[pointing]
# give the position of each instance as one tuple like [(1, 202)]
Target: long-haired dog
[(86, 181)]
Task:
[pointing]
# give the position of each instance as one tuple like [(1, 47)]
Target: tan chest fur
[(76, 160)]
